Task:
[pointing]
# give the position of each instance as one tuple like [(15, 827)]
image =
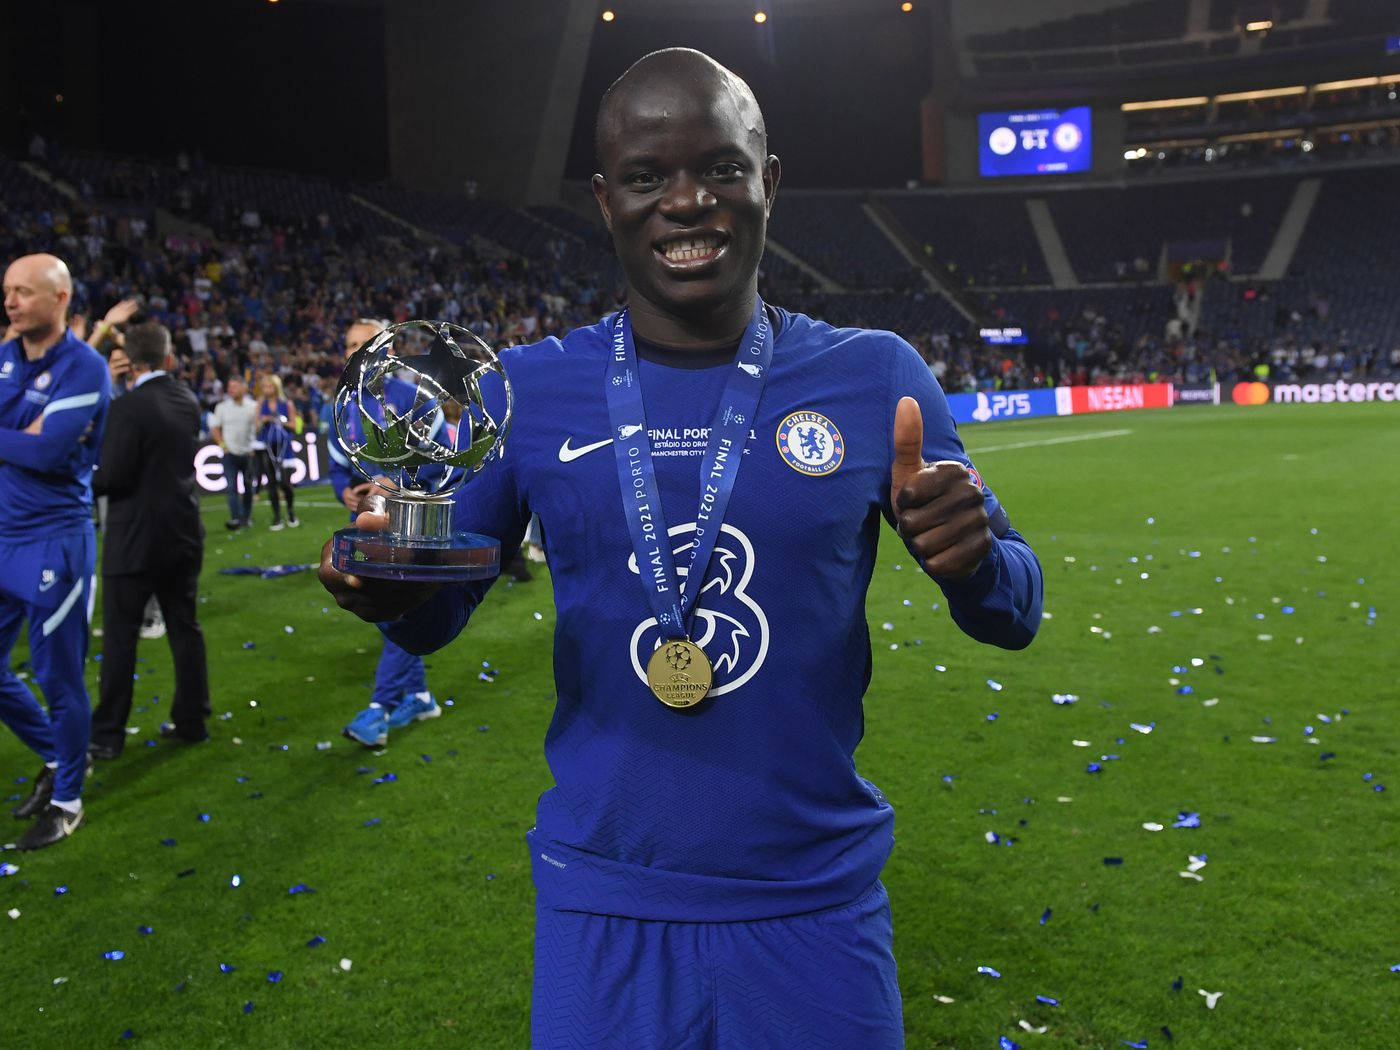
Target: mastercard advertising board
[(1340, 390)]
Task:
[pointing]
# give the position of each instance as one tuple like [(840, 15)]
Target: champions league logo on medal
[(810, 443), (729, 624)]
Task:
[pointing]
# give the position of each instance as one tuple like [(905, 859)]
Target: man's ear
[(772, 171), (600, 194)]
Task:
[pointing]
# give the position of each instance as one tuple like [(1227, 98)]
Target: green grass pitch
[(1246, 553)]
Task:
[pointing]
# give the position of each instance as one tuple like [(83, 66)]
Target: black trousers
[(278, 480), (124, 600)]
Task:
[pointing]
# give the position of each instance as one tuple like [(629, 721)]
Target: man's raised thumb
[(908, 442)]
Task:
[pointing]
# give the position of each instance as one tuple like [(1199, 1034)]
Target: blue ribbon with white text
[(641, 497)]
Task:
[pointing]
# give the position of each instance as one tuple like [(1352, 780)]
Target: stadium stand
[(272, 289), (981, 239), (1105, 230), (832, 233)]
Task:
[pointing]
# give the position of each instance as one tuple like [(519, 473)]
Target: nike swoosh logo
[(568, 455)]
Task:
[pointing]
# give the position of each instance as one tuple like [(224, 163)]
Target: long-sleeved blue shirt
[(749, 805), (46, 478)]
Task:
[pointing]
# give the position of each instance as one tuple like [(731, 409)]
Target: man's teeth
[(693, 248)]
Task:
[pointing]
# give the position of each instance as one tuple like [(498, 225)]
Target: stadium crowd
[(266, 287)]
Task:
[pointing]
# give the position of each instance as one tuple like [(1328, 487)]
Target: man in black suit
[(154, 541)]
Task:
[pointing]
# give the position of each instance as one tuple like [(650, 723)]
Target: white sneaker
[(293, 522), (534, 552), (153, 626), (277, 526)]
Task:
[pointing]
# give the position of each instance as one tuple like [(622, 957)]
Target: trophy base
[(460, 557)]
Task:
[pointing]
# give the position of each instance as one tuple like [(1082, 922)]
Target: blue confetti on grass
[(316, 941), (273, 976), (59, 891), (146, 930), (227, 967), (1004, 1043), (114, 954), (1187, 820), (204, 818), (387, 778), (248, 1007), (1113, 862), (371, 822), (1047, 1000), (1045, 916), (301, 887), (988, 971)]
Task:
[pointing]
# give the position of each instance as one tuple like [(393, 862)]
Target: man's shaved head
[(43, 271), (38, 291), (652, 81)]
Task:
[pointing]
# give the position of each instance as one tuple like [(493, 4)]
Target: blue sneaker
[(370, 727), (414, 707)]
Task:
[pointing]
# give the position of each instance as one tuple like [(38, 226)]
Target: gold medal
[(679, 673)]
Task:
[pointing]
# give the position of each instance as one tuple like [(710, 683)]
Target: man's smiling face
[(686, 190)]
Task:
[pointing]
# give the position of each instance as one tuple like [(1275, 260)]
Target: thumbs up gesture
[(938, 508)]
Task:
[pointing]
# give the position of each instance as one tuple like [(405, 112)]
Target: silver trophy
[(409, 412)]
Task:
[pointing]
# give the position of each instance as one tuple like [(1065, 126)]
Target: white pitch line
[(1049, 441), (219, 508)]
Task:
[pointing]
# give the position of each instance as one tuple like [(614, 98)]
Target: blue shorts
[(821, 981)]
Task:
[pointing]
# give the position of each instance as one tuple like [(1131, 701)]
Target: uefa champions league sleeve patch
[(810, 444)]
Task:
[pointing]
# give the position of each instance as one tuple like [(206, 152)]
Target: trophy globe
[(410, 414)]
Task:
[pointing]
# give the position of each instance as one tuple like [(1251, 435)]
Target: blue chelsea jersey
[(749, 805), (46, 479)]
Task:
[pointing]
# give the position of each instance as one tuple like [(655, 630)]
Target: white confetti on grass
[(1211, 998)]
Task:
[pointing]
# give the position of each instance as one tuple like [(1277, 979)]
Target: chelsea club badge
[(810, 443)]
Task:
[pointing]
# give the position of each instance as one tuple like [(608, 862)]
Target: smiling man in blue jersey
[(711, 472), (54, 391)]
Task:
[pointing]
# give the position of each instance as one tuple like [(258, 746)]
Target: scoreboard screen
[(1003, 336), (1034, 142)]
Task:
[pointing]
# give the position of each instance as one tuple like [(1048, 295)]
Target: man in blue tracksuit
[(54, 391), (711, 472), (401, 693)]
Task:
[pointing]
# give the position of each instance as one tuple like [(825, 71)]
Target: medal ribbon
[(674, 606)]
